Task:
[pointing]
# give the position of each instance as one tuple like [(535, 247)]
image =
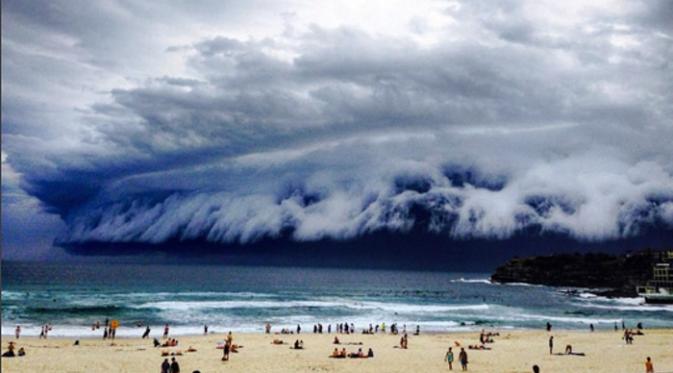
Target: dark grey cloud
[(488, 118)]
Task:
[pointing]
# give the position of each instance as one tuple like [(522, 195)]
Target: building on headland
[(659, 289)]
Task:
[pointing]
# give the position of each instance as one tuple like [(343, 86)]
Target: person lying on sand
[(191, 349), (172, 342), (569, 351), (277, 342), (358, 354), (336, 354), (478, 347)]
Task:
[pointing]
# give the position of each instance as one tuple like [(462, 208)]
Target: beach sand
[(513, 351)]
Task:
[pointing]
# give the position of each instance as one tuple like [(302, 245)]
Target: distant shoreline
[(340, 335)]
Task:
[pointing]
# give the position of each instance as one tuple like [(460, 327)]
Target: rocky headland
[(616, 275)]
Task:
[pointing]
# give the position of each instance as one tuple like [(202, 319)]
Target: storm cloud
[(231, 124)]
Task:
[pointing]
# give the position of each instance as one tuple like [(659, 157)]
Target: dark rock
[(618, 274)]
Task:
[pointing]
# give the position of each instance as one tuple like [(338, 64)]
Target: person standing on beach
[(649, 368), (551, 344), (147, 332), (205, 330), (548, 326), (225, 351), (463, 359), (536, 369), (175, 367), (298, 328), (17, 332), (165, 366), (449, 358), (591, 327), (166, 331)]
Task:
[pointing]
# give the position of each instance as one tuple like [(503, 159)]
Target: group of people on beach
[(44, 331), (462, 358), (172, 367), (342, 354), (345, 328), (228, 346), (109, 328), (630, 333), (10, 351)]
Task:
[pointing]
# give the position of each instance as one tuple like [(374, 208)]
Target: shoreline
[(476, 330)]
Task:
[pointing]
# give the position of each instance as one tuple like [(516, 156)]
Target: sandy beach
[(512, 351)]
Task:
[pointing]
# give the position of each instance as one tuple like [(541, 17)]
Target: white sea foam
[(523, 284), (566, 319), (362, 305), (472, 280), (635, 308), (75, 331)]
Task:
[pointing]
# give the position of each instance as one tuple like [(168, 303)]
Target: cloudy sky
[(228, 122)]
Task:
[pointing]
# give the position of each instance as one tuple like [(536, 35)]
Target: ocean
[(73, 296)]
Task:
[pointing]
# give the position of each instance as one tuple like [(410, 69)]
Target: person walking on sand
[(463, 359), (147, 332), (449, 358), (165, 366), (175, 367), (649, 368), (551, 344)]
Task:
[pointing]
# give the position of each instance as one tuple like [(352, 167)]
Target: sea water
[(73, 296)]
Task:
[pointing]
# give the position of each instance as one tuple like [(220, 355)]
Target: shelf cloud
[(230, 124)]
